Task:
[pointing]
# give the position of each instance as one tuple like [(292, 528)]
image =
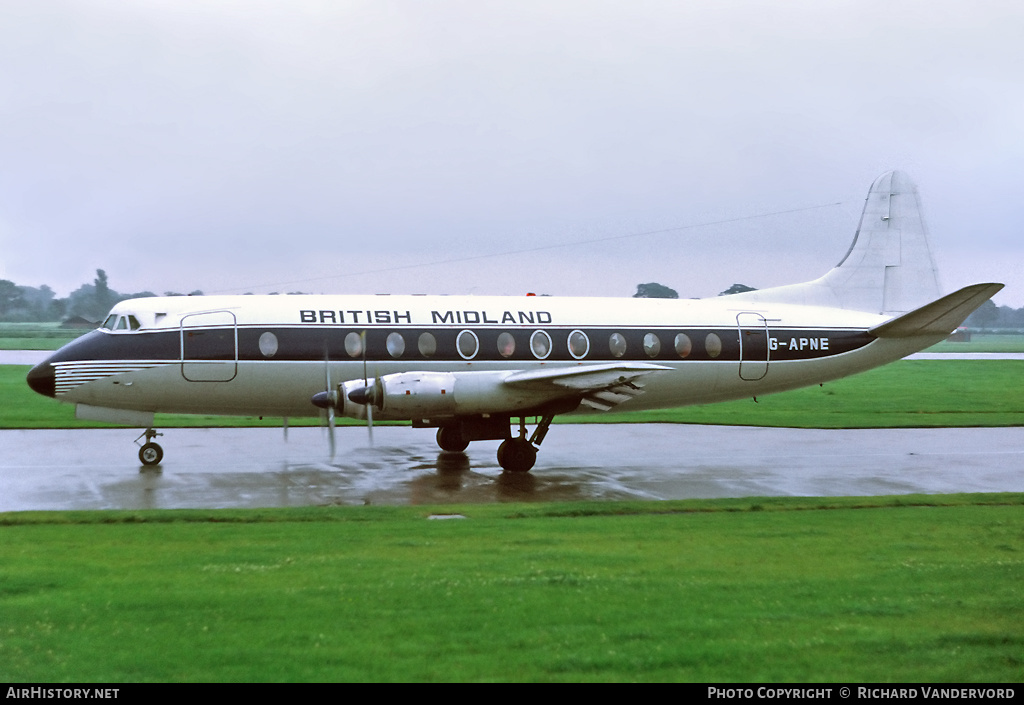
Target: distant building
[(78, 322)]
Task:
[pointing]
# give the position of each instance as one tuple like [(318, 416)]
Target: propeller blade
[(330, 431), (285, 427), (329, 400), (369, 422), (327, 368), (362, 345), (368, 393)]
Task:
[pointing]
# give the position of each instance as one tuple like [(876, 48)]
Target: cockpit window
[(116, 322)]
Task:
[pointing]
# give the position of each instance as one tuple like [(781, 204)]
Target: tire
[(449, 438), (516, 455), (151, 454)]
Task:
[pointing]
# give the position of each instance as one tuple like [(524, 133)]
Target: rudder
[(889, 267)]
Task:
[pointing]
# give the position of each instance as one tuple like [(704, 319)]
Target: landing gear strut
[(150, 453), (515, 454), (519, 454)]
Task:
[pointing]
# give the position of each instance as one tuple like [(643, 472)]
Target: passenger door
[(753, 329), (209, 347)]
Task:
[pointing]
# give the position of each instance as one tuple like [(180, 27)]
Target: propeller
[(369, 407), (328, 400), (367, 395)]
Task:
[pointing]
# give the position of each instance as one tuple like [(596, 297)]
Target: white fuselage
[(267, 355)]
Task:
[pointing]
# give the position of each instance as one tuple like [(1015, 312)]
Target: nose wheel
[(150, 453)]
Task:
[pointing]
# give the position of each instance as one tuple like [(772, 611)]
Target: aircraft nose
[(42, 380)]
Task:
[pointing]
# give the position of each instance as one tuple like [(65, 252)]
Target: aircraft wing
[(601, 386)]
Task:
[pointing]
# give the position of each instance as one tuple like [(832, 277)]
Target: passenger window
[(540, 344), (579, 344), (396, 345), (683, 345), (713, 344), (617, 345), (427, 345), (652, 345), (506, 345), (467, 344), (268, 344), (354, 344)]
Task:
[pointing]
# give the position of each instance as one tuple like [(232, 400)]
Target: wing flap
[(600, 387), (584, 378)]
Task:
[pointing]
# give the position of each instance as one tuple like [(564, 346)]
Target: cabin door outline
[(754, 352), (209, 346)]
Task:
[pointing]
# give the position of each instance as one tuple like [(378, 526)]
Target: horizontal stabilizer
[(941, 316)]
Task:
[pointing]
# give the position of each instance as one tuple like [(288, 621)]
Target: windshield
[(121, 322)]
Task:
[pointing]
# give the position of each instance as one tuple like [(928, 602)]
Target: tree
[(737, 289), (654, 290), (10, 294), (986, 316), (36, 304), (105, 298)]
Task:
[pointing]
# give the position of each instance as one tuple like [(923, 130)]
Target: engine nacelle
[(434, 395)]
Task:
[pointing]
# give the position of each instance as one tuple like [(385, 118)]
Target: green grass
[(900, 589), (35, 336), (909, 393), (983, 342)]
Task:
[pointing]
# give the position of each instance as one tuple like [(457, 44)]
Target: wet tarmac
[(98, 469)]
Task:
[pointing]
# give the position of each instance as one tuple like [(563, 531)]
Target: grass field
[(35, 336), (904, 589), (909, 393), (983, 342), (884, 589)]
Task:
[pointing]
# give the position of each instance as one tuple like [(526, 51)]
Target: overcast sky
[(499, 147)]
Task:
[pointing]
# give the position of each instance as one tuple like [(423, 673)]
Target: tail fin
[(889, 267)]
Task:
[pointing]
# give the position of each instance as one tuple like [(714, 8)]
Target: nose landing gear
[(150, 453)]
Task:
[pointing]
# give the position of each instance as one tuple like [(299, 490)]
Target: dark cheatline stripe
[(313, 343)]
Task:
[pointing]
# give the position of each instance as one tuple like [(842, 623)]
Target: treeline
[(89, 301), (991, 317)]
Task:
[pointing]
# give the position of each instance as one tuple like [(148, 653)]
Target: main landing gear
[(150, 453), (515, 454)]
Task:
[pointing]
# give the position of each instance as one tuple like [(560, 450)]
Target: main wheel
[(450, 438), (516, 455), (151, 454)]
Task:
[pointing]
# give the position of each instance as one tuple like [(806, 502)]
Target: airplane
[(480, 367)]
